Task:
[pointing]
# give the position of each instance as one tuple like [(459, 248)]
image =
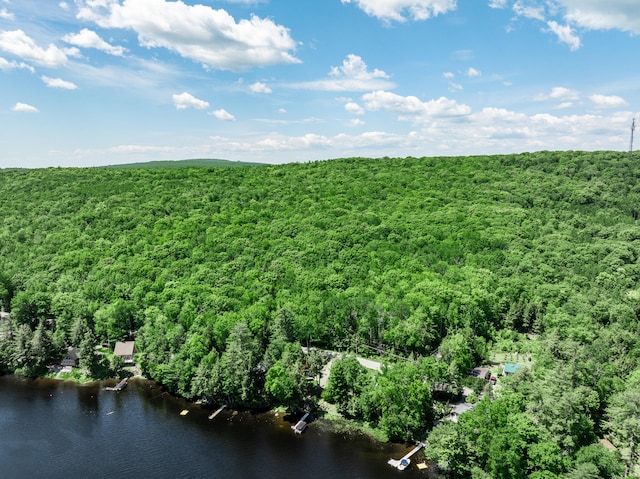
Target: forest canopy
[(221, 274)]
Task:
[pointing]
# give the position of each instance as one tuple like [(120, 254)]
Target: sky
[(97, 82)]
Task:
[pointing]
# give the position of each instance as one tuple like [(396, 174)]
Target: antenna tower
[(633, 128)]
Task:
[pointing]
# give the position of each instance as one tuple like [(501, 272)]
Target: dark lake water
[(54, 429)]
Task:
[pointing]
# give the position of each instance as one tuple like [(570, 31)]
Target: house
[(70, 358), (125, 349), (509, 368), (482, 373)]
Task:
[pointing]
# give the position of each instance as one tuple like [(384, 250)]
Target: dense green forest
[(221, 274)]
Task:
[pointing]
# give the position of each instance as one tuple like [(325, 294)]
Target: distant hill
[(197, 162)]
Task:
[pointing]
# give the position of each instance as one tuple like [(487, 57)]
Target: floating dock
[(217, 411), (118, 387), (301, 425), (402, 464)]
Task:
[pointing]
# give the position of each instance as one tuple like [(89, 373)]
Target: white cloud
[(472, 72), (454, 87), (259, 87), (7, 65), (352, 75), (448, 75), (186, 100), (59, 83), (559, 93), (282, 142), (605, 101), (23, 107), (488, 131), (410, 107), (198, 32), (223, 115), (20, 44), (354, 108), (356, 122), (399, 10), (498, 3), (565, 34), (564, 105), (4, 13), (603, 15), (529, 11), (90, 39), (64, 5)]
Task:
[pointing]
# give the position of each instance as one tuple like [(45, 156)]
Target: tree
[(623, 423), (239, 377), (401, 401), (348, 380)]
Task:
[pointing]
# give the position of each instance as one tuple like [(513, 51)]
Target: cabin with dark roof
[(70, 358)]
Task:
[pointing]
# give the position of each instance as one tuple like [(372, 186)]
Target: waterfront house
[(70, 358), (125, 349)]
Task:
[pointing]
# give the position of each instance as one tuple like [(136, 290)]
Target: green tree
[(347, 382), (239, 376), (623, 424)]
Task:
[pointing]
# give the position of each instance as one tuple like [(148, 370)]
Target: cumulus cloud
[(58, 83), (259, 87), (4, 13), (598, 15), (411, 107), (64, 5), (223, 115), (24, 107), (559, 93), (356, 122), (352, 75), (605, 101), (186, 100), (198, 32), (565, 34), (18, 43), (400, 10), (354, 108), (534, 12), (89, 39), (472, 72), (7, 65)]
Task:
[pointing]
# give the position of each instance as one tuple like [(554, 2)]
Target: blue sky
[(94, 82)]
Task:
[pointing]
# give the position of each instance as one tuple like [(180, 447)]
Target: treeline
[(220, 274)]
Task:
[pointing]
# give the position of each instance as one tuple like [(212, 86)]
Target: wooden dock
[(217, 411), (118, 387), (403, 463), (301, 425)]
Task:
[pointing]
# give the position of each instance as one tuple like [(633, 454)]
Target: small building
[(482, 373), (125, 350), (510, 368), (70, 358)]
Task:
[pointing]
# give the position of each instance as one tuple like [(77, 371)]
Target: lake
[(56, 429)]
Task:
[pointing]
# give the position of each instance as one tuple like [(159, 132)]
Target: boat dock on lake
[(118, 387), (217, 411), (402, 464), (301, 425)]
